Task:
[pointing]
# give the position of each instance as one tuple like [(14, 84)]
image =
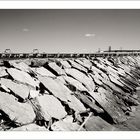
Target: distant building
[(115, 51), (109, 49)]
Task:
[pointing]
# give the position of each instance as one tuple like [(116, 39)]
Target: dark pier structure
[(8, 54)]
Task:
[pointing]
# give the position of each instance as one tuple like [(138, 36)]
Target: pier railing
[(64, 55)]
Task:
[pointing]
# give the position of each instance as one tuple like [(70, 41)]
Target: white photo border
[(70, 5)]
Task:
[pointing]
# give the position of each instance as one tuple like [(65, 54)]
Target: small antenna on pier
[(99, 50), (121, 49)]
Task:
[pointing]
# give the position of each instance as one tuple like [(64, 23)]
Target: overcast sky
[(80, 31)]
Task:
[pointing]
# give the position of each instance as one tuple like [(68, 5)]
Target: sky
[(68, 30)]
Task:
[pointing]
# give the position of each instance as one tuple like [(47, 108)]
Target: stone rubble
[(29, 127), (50, 107), (19, 90), (44, 72), (20, 113), (61, 94)]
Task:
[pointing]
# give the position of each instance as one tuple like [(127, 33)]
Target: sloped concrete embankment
[(68, 94)]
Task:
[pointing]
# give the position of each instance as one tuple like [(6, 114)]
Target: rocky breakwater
[(76, 94)]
